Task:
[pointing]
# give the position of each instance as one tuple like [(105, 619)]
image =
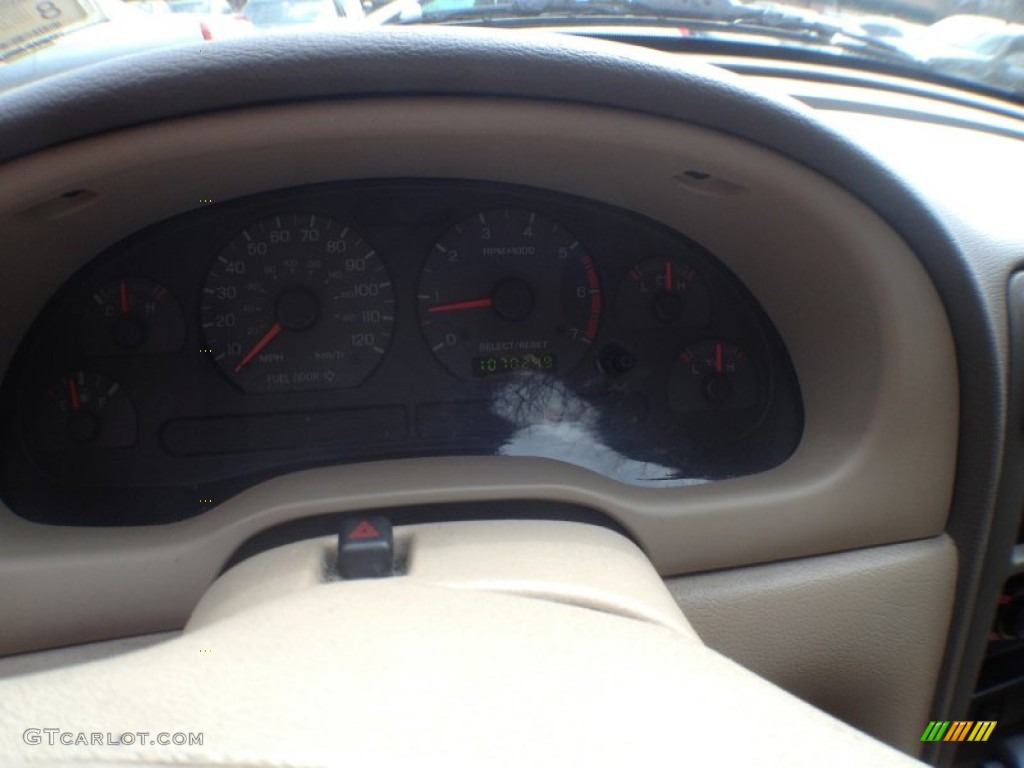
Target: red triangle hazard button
[(365, 530), (366, 549)]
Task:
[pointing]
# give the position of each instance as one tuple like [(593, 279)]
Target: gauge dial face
[(509, 290), (84, 409), (663, 293), (297, 302), (132, 316), (713, 374)]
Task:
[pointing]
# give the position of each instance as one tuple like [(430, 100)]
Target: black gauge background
[(410, 405)]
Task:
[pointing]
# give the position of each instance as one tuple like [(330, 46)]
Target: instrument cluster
[(362, 321)]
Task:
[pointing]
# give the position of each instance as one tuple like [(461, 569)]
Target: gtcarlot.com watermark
[(54, 736)]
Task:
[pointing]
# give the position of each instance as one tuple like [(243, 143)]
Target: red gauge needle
[(268, 337), (668, 275), (718, 358), (457, 305), (126, 305), (76, 401)]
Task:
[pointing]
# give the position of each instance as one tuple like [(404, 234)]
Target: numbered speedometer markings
[(508, 290), (296, 302)]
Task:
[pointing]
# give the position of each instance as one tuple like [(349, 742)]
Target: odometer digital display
[(488, 366)]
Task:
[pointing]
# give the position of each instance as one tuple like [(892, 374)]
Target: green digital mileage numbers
[(488, 366)]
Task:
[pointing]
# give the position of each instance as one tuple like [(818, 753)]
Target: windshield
[(974, 44)]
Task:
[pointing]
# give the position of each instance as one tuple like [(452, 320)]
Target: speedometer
[(297, 302), (509, 290)]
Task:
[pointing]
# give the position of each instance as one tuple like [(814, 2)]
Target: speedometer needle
[(473, 304), (268, 337)]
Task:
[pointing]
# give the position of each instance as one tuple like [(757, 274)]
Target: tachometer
[(297, 302), (509, 290)]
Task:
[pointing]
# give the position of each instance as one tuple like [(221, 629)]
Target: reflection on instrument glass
[(553, 422)]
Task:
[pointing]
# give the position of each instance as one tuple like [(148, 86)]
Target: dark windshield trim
[(515, 14), (847, 60), (952, 92)]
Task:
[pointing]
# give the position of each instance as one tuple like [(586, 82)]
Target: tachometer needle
[(718, 358), (668, 275), (126, 305), (473, 304), (268, 337)]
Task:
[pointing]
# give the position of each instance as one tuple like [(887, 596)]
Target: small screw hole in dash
[(707, 185), (63, 204)]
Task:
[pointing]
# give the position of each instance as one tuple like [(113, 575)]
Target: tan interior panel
[(69, 656), (871, 347), (859, 634), (570, 563), (443, 665)]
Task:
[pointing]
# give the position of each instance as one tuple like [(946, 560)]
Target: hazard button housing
[(366, 548)]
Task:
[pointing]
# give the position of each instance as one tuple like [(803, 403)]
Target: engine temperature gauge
[(85, 409), (663, 293), (132, 316), (713, 374)]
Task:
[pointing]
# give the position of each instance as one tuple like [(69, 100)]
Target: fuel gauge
[(713, 374), (660, 293), (132, 316), (84, 409)]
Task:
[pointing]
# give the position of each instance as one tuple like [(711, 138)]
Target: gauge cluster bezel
[(411, 404)]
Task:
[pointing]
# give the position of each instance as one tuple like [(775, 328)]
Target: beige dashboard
[(865, 329)]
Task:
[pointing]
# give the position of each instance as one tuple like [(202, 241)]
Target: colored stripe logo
[(958, 730)]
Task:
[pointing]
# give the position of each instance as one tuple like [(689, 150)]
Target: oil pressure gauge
[(660, 293)]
